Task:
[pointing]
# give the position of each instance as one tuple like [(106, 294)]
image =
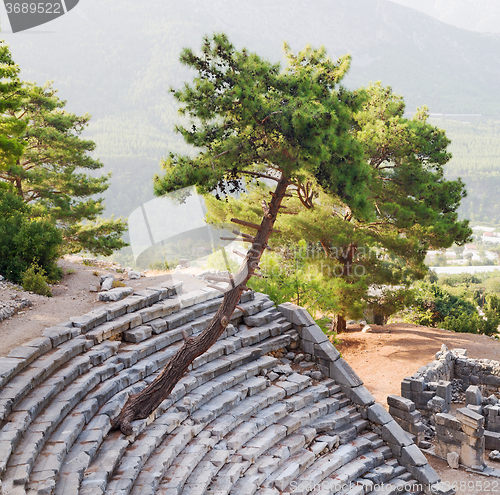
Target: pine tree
[(414, 208), (11, 127), (46, 162), (249, 118)]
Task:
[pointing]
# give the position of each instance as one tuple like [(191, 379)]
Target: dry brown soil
[(71, 297), (382, 358)]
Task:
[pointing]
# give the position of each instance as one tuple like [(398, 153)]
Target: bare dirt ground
[(382, 358), (389, 353), (71, 297)]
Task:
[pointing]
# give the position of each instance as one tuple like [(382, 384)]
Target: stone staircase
[(241, 421)]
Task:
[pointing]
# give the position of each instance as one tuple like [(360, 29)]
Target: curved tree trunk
[(141, 405)]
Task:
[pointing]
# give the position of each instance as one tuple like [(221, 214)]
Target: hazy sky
[(475, 15)]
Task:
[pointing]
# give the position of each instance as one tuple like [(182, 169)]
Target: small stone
[(107, 284), (453, 460), (495, 455), (93, 288), (367, 329), (272, 376), (306, 365), (283, 369), (134, 275), (424, 445), (290, 355), (317, 375), (298, 358), (308, 357), (285, 361)]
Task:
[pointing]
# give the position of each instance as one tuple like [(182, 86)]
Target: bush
[(433, 306), (35, 280), (26, 239)]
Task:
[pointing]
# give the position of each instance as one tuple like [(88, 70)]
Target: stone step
[(292, 468), (46, 406), (35, 373), (185, 463), (264, 417), (205, 403), (150, 477), (263, 317), (255, 440)]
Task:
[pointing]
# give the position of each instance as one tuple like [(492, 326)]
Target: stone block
[(343, 374), (417, 385), (393, 433), (401, 403), (447, 435), (443, 390), (473, 432), (412, 455), (57, 334), (295, 314), (473, 396), (314, 334), (448, 421), (409, 417), (359, 395), (470, 418), (116, 294), (425, 474), (441, 488), (152, 296), (437, 405), (378, 414), (472, 457), (492, 440), (476, 409), (406, 387), (116, 309), (325, 350)]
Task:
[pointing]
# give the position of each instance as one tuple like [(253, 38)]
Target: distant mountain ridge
[(117, 61)]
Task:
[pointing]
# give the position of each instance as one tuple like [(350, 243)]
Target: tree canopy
[(249, 118), (413, 207), (45, 162)]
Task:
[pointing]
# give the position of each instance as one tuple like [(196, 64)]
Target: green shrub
[(433, 306), (35, 280), (26, 239)]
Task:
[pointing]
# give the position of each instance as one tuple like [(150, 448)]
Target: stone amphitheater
[(243, 420)]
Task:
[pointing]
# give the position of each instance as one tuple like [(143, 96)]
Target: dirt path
[(71, 297), (389, 353)]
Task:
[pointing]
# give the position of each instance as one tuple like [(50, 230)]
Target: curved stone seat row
[(240, 421)]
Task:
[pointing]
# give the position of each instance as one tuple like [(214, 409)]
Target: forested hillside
[(476, 159), (118, 60)]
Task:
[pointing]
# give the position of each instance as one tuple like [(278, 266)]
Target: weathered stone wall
[(462, 435), (482, 372), (428, 382), (405, 414)]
